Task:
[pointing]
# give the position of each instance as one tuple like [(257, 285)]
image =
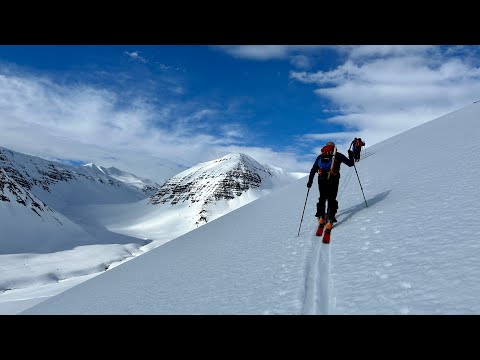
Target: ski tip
[(326, 239)]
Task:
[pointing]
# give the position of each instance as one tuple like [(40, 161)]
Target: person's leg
[(321, 200), (332, 201)]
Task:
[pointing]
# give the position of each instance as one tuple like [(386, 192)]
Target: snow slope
[(28, 225), (406, 253), (40, 246)]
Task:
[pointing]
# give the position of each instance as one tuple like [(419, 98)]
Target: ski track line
[(309, 303), (316, 300)]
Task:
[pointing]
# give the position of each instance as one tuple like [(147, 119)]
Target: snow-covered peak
[(146, 185), (224, 178), (227, 163), (149, 187), (93, 166), (211, 189)]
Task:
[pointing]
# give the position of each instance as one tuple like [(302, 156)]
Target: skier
[(356, 145), (327, 165)]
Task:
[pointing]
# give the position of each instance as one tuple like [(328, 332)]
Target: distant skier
[(356, 145), (327, 165)]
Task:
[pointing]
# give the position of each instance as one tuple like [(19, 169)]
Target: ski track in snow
[(317, 280), (318, 290)]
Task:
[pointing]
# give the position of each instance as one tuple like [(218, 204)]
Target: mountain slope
[(28, 225), (60, 186), (406, 253)]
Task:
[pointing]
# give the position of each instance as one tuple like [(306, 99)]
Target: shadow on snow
[(356, 208)]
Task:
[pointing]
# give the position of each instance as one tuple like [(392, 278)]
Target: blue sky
[(153, 110)]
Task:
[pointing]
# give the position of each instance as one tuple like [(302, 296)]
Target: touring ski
[(328, 230), (321, 225)]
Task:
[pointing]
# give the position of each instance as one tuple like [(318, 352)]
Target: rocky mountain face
[(30, 171), (223, 179), (12, 192)]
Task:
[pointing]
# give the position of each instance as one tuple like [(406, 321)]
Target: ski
[(321, 225), (328, 230)]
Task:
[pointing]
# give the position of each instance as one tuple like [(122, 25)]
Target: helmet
[(330, 143)]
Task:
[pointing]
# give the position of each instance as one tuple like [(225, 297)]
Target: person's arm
[(347, 161), (313, 171)]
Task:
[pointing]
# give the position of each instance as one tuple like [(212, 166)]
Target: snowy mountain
[(147, 186), (227, 178), (192, 198), (406, 253), (60, 185)]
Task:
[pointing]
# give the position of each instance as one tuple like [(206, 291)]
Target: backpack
[(358, 144), (325, 162)]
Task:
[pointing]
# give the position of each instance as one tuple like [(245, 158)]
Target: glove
[(309, 185)]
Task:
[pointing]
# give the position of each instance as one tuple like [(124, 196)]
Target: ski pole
[(360, 184), (303, 212)]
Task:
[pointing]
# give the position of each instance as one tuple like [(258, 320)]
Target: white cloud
[(257, 52), (135, 55), (345, 135), (360, 51), (301, 61), (268, 52), (382, 91), (89, 124)]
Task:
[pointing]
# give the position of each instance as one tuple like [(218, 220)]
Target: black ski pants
[(328, 192)]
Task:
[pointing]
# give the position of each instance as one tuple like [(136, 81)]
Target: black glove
[(309, 185)]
